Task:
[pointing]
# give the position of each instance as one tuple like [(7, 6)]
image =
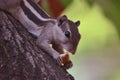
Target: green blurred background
[(98, 53)]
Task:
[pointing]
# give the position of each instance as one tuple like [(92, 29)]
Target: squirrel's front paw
[(58, 59), (68, 65)]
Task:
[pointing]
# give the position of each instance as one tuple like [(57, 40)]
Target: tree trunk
[(21, 59)]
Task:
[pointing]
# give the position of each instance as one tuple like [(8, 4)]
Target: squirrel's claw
[(68, 65), (59, 61)]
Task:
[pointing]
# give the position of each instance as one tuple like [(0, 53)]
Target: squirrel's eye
[(67, 34)]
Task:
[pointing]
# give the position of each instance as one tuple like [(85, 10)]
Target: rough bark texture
[(21, 59)]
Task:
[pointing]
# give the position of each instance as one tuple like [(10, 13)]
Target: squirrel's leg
[(43, 42), (44, 45)]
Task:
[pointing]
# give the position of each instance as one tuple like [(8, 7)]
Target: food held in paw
[(65, 58)]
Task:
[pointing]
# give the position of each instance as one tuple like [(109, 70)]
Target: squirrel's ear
[(61, 19), (64, 17), (77, 23)]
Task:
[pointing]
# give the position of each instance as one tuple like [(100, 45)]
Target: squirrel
[(61, 32)]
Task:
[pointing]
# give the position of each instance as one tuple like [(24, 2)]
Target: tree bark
[(21, 59)]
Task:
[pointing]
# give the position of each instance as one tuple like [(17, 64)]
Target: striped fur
[(38, 9), (31, 16), (35, 13)]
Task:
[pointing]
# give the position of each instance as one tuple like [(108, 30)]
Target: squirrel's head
[(71, 33)]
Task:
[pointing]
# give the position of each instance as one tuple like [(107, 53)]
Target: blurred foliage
[(45, 5), (98, 52), (54, 7), (66, 2), (111, 9), (97, 31)]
